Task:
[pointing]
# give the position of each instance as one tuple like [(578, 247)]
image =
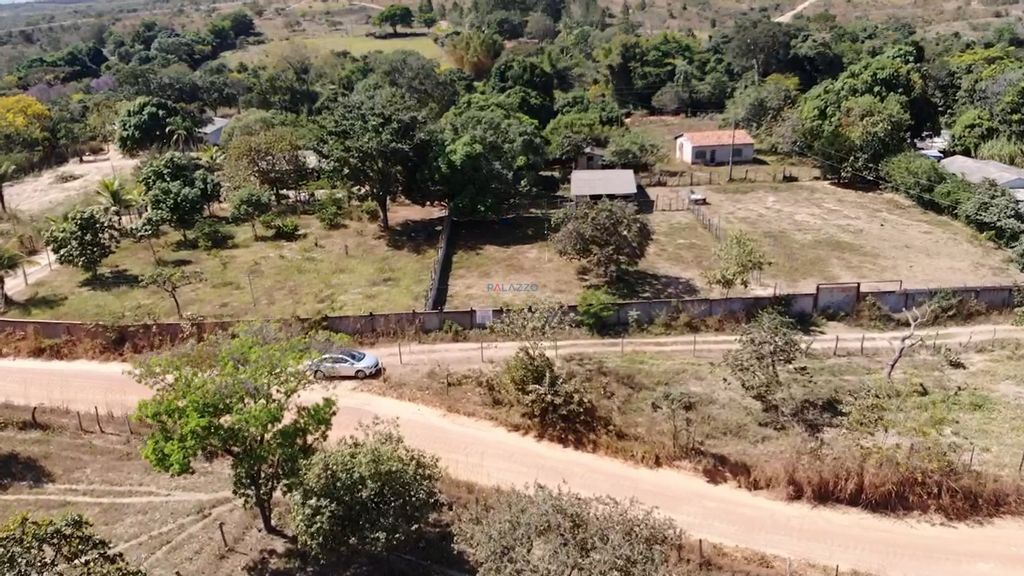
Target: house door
[(711, 156)]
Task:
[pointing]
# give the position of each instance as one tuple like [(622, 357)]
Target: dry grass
[(971, 421), (816, 232), (352, 270)]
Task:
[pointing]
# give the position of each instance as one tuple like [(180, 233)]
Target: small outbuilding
[(714, 147), (211, 132), (597, 184), (592, 158)]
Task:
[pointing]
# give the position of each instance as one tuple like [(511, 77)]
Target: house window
[(737, 152), (700, 154)]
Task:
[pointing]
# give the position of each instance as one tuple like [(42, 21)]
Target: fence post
[(622, 344), (970, 463), (96, 410), (400, 360), (700, 551), (223, 538), (862, 344), (1020, 467), (695, 345), (80, 427), (835, 347), (128, 422), (481, 350)]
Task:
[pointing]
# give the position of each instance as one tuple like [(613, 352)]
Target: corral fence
[(437, 289), (833, 299), (714, 175)]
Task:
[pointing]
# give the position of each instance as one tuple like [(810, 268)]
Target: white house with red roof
[(715, 147)]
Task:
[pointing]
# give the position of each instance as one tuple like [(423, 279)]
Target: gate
[(839, 298)]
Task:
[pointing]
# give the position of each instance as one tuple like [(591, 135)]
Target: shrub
[(281, 228), (560, 406), (916, 176), (549, 533), (369, 211), (211, 235), (593, 307), (368, 495), (892, 479), (330, 209)]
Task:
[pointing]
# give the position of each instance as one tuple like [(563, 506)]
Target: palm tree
[(182, 133), (10, 260), (211, 157), (116, 195), (7, 172)]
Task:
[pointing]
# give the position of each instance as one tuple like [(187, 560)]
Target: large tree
[(65, 546), (177, 189), (395, 15), (146, 123), (378, 140), (491, 158), (84, 238), (271, 159), (235, 396), (607, 237)]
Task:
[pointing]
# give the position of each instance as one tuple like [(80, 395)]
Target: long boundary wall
[(642, 312)]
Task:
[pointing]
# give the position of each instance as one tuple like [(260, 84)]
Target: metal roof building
[(976, 171), (603, 184)]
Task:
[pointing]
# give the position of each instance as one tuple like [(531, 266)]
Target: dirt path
[(44, 191), (37, 266), (482, 452), (788, 16)]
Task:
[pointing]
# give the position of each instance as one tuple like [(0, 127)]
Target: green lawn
[(354, 44), (309, 277)]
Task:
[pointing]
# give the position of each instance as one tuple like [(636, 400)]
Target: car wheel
[(318, 375), (360, 374)]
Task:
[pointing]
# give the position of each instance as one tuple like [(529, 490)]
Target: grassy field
[(815, 232), (348, 271), (338, 42)]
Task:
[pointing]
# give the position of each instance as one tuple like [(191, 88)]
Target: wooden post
[(35, 422), (223, 538), (700, 551), (80, 427), (837, 569), (835, 347), (935, 341), (862, 336), (695, 345), (128, 422), (252, 293), (400, 361), (96, 410), (622, 344), (970, 463), (48, 263), (1020, 467), (481, 350)]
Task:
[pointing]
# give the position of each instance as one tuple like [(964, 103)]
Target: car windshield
[(354, 355)]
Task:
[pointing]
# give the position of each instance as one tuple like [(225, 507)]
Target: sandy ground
[(479, 451), (41, 192), (816, 232)]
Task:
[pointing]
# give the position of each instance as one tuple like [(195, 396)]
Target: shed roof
[(974, 170), (716, 138), (603, 183), (215, 124)]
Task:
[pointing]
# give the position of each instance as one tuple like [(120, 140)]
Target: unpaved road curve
[(482, 452), (788, 16)]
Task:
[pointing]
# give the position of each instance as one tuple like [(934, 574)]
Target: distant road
[(789, 15)]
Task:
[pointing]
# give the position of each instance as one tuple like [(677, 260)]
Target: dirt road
[(788, 16), (482, 452), (44, 191)]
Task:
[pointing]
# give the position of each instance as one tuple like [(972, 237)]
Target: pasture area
[(815, 232), (339, 42), (352, 270), (512, 263)]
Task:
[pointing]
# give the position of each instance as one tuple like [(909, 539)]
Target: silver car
[(345, 363)]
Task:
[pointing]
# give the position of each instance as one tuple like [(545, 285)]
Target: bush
[(993, 211), (369, 211), (890, 479), (281, 228), (212, 235), (330, 209), (561, 407), (593, 308), (916, 176), (368, 495), (549, 533)]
